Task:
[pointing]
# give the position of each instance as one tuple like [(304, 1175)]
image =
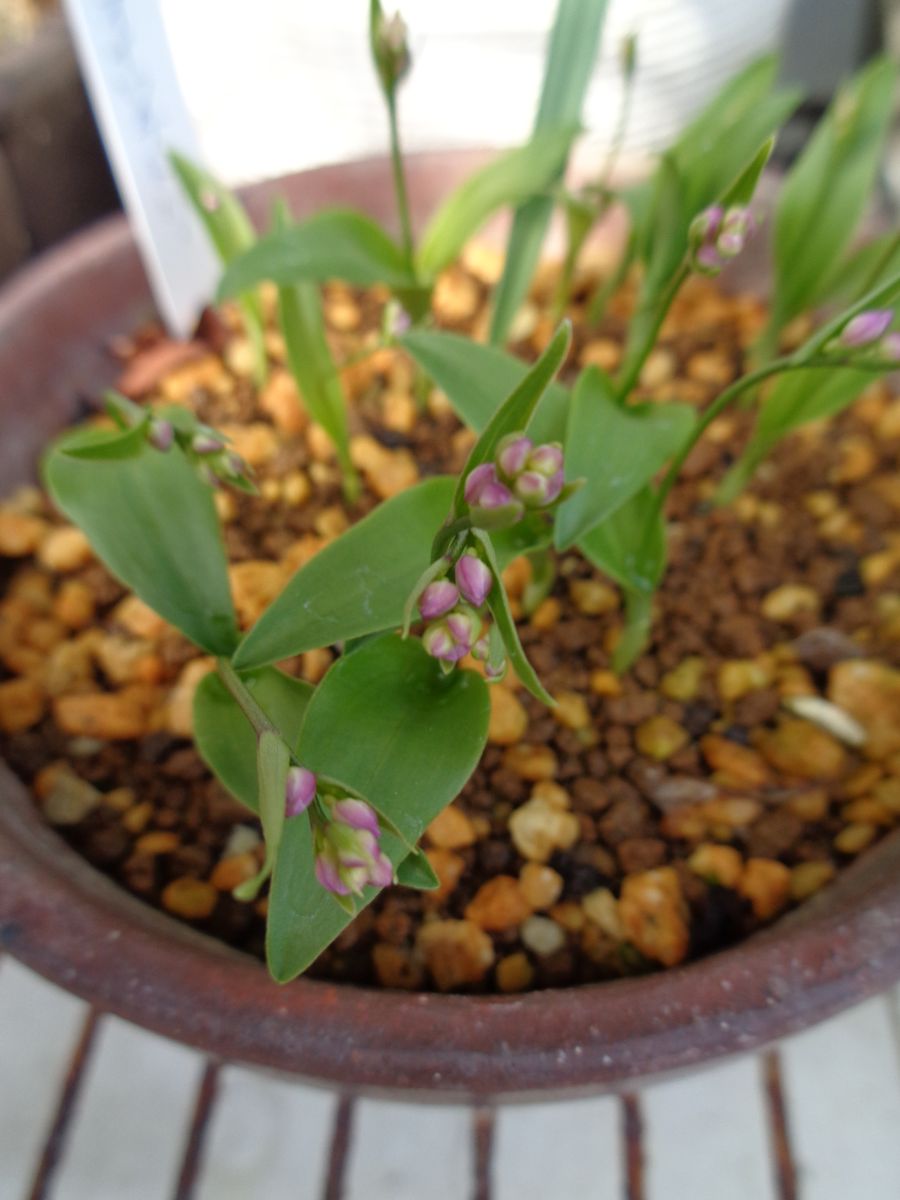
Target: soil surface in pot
[(752, 752)]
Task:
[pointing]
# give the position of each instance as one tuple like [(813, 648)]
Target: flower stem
[(242, 696), (399, 178)]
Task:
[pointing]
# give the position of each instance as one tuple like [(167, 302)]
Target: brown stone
[(456, 953), (870, 692)]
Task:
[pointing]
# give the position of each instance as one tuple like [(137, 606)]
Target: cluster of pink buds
[(346, 837), (869, 331), (216, 463), (717, 236), (453, 609), (523, 476)]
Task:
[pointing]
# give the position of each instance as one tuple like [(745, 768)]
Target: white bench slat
[(39, 1028), (707, 1132), (407, 1152), (559, 1151), (842, 1089), (267, 1137), (129, 1127)]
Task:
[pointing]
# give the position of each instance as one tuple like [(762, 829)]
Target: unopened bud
[(205, 443), (492, 504), (513, 452), (865, 328), (474, 579), (438, 598), (300, 791), (161, 434)]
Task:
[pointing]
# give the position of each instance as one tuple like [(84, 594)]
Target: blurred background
[(284, 84)]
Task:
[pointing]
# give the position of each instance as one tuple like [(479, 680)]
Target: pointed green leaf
[(230, 231), (224, 737), (826, 191), (272, 762), (498, 603), (630, 545), (415, 871), (357, 584), (388, 722), (617, 448), (336, 244), (311, 361), (571, 56), (509, 179), (476, 378), (153, 523)]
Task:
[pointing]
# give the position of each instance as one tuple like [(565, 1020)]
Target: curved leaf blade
[(392, 726), (616, 448), (337, 244), (153, 523), (509, 179), (357, 584), (574, 41), (474, 376)]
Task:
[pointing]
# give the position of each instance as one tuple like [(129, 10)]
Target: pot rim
[(75, 926)]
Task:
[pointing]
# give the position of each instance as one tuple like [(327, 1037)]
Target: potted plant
[(666, 770)]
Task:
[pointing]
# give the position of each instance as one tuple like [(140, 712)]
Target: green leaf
[(716, 146), (826, 191), (617, 448), (392, 726), (498, 603), (415, 871), (92, 443), (224, 737), (864, 268), (355, 585), (509, 179), (630, 545), (570, 61), (337, 244), (475, 378), (516, 410), (230, 231), (153, 523), (743, 189), (311, 362)]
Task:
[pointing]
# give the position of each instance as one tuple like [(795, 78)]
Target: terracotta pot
[(75, 926)]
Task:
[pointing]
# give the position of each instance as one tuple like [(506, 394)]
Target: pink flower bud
[(706, 225), (532, 488), (866, 328), (464, 626), (205, 443), (438, 642), (480, 478), (357, 814), (161, 434), (328, 873), (482, 649), (513, 452), (300, 791), (547, 459), (495, 508), (474, 579), (438, 598)]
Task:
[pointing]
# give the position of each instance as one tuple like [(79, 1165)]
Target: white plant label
[(134, 91)]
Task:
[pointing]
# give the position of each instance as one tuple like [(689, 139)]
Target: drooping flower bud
[(717, 235), (300, 791), (452, 638), (350, 859), (865, 328), (513, 453), (161, 434), (438, 598), (206, 443), (474, 579), (357, 814), (492, 504)]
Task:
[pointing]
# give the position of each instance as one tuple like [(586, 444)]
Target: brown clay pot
[(75, 926)]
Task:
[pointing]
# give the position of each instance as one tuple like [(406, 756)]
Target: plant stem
[(638, 622), (635, 358), (242, 696), (399, 178), (543, 577)]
